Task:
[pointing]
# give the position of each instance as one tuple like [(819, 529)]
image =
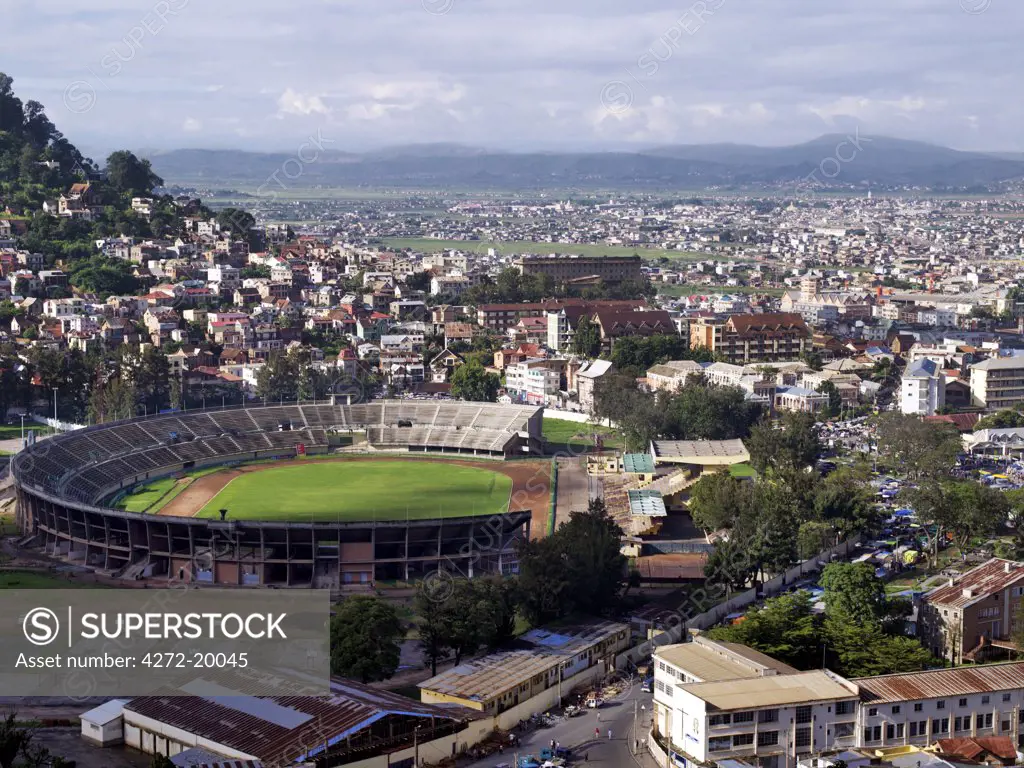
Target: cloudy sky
[(518, 74)]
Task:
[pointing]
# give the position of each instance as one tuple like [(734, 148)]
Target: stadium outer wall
[(335, 555)]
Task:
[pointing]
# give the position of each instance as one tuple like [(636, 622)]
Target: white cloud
[(191, 125), (294, 103)]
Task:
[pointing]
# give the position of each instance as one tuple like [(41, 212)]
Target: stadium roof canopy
[(638, 463), (647, 504), (707, 453)]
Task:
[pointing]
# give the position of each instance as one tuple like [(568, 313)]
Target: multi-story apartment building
[(536, 381), (719, 701), (609, 269), (923, 388), (742, 339), (998, 382), (964, 618), (919, 708), (672, 376)]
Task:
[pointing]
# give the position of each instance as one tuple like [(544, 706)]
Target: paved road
[(578, 734)]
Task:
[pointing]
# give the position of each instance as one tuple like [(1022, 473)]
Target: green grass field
[(13, 431), (362, 490), (571, 433), (429, 245), (147, 495)]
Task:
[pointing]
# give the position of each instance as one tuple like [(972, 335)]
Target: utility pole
[(416, 747), (636, 705), (55, 406)]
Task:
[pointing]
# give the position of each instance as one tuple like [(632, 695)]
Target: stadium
[(305, 495)]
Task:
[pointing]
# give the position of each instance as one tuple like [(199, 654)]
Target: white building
[(998, 382), (923, 389), (533, 381)]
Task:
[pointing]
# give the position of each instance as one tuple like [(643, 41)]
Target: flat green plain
[(362, 491)]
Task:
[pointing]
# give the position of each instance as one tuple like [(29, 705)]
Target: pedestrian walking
[(597, 733), (609, 733)]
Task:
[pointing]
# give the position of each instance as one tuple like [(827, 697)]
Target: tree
[(792, 443), (785, 629), (161, 761), (366, 639), (419, 281), (852, 592), (472, 382), (717, 500), (920, 449), (812, 537), (278, 378), (578, 568), (130, 176), (701, 412), (586, 342), (236, 221), (13, 739), (835, 400), (1004, 419), (635, 413), (843, 501)]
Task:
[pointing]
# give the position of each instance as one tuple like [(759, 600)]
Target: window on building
[(940, 725), (872, 733), (1006, 697), (768, 716), (1004, 726), (719, 720), (940, 704), (803, 714), (986, 721), (803, 737), (985, 699), (719, 744), (918, 706), (742, 740), (962, 703), (844, 707), (913, 729), (844, 730), (872, 711), (894, 731), (961, 723), (742, 717), (767, 738), (895, 709)]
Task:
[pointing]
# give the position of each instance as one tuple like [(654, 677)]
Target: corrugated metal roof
[(348, 709), (493, 675), (942, 683), (701, 451), (977, 584), (644, 503)]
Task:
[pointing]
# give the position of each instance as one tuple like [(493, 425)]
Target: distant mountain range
[(832, 160)]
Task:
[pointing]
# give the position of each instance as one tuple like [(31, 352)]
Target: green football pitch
[(362, 490)]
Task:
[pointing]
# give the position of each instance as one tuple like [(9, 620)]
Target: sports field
[(360, 490)]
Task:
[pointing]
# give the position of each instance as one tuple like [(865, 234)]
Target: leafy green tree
[(700, 412), (472, 382), (1004, 419), (236, 221), (578, 568), (366, 638), (130, 176), (13, 739), (586, 342), (923, 450), (792, 443), (835, 400), (717, 500), (852, 592), (812, 537), (278, 378), (842, 500), (785, 629)]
